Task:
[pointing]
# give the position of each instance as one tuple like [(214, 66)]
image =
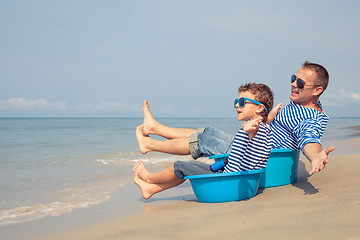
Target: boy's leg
[(177, 146), (151, 126), (149, 189), (165, 176), (151, 183)]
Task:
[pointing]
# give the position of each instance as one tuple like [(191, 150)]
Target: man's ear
[(318, 90)]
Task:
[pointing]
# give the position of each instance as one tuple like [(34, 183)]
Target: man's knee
[(194, 144)]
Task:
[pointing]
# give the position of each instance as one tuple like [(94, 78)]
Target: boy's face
[(250, 110)]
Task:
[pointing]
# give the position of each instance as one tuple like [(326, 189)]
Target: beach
[(323, 206), (84, 83)]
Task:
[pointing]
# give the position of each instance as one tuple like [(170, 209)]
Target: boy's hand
[(273, 113), (251, 127)]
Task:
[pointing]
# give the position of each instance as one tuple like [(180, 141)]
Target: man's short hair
[(322, 75)]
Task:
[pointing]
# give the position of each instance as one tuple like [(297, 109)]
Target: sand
[(323, 206)]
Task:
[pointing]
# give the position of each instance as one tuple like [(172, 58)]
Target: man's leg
[(151, 126), (177, 146)]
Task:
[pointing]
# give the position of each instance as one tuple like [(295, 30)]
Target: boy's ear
[(260, 108)]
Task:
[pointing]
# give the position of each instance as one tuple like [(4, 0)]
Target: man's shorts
[(209, 141)]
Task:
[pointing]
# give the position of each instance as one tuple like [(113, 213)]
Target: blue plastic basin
[(225, 187), (281, 168)]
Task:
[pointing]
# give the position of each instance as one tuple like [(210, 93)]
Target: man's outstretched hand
[(319, 162)]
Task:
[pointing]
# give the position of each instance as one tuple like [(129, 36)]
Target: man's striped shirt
[(296, 125), (245, 154)]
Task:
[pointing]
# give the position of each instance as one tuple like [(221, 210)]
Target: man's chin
[(293, 97)]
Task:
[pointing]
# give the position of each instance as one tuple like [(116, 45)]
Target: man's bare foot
[(144, 187), (149, 121), (143, 140), (141, 171)]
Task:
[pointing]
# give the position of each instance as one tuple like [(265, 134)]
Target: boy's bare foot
[(149, 120), (144, 187), (141, 171), (143, 140)]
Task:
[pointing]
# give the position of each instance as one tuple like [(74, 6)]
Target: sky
[(87, 58)]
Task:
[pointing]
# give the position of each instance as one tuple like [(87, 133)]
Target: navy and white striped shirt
[(245, 154), (296, 125)]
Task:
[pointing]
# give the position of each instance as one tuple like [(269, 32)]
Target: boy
[(250, 149)]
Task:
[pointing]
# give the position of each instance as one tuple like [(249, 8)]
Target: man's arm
[(317, 156)]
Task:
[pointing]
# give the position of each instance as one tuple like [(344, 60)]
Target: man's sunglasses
[(300, 83), (241, 101)]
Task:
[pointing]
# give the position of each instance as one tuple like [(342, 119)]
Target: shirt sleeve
[(308, 131)]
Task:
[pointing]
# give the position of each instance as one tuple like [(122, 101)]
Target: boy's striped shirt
[(245, 154), (296, 125)]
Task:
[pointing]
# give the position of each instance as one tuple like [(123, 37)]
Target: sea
[(51, 166)]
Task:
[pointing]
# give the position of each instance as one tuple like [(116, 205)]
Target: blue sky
[(103, 58)]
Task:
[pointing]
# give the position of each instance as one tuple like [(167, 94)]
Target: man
[(300, 125)]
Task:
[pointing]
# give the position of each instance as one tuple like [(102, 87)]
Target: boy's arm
[(273, 113), (252, 126)]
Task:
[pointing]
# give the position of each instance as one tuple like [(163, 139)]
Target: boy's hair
[(322, 76), (262, 94)]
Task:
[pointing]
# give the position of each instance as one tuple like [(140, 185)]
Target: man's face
[(306, 95)]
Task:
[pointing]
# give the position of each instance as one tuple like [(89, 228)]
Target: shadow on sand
[(303, 181)]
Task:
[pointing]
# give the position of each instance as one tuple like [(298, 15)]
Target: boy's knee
[(177, 166)]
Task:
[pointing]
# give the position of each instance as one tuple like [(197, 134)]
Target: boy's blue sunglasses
[(241, 101)]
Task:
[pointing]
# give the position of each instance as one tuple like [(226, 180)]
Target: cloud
[(351, 96), (342, 97), (355, 96), (24, 104)]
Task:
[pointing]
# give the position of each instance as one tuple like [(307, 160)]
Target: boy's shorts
[(182, 169), (209, 141)]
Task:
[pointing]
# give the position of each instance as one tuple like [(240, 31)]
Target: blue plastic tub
[(281, 168), (225, 187)]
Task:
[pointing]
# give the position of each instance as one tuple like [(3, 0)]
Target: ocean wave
[(125, 160), (72, 198)]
